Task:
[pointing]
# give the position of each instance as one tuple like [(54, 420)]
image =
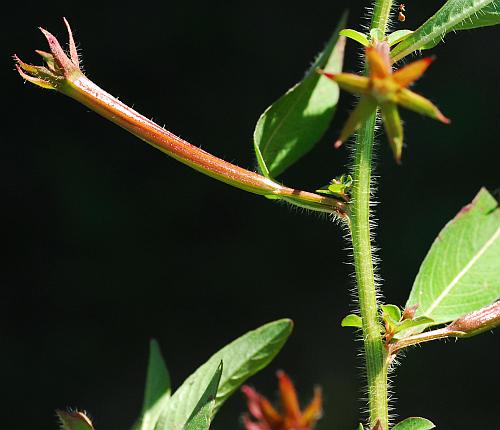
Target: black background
[(108, 243)]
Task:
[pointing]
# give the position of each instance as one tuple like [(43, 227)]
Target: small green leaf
[(337, 187), (352, 320), (408, 324), (74, 420), (392, 311), (454, 15), (398, 36), (242, 358), (201, 417), (157, 391), (360, 427), (414, 423), (292, 125), (355, 35), (376, 34), (461, 274)]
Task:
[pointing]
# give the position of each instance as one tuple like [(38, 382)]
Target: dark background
[(108, 243)]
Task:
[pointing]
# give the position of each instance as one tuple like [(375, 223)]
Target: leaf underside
[(461, 272), (157, 391), (454, 15), (242, 358), (414, 423), (201, 417), (292, 125)]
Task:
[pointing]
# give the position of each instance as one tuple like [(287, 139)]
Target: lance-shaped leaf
[(356, 36), (201, 417), (157, 390), (292, 125), (74, 421), (461, 272), (414, 423), (242, 358), (486, 17), (454, 15)]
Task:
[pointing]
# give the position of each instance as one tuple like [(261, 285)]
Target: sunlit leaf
[(454, 15), (356, 36), (414, 423), (461, 274), (201, 417), (292, 125), (242, 358)]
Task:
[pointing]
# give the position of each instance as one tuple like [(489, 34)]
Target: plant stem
[(375, 353), (89, 94), (381, 14)]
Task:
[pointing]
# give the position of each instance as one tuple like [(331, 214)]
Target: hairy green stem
[(375, 352), (381, 14)]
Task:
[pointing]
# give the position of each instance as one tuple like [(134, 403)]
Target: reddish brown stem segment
[(64, 75)]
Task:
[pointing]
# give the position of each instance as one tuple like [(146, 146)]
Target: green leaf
[(392, 311), (486, 17), (292, 125), (355, 35), (157, 391), (408, 324), (242, 358), (376, 34), (352, 320), (201, 417), (360, 427), (461, 272), (454, 15), (398, 36), (74, 420), (414, 423)]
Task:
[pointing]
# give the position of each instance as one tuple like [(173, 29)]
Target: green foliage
[(488, 16), (454, 15), (398, 36), (338, 187), (157, 391), (413, 323), (352, 320), (356, 36), (74, 421), (242, 358), (392, 316), (414, 423), (201, 417), (461, 274), (360, 427), (391, 311), (292, 125)]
